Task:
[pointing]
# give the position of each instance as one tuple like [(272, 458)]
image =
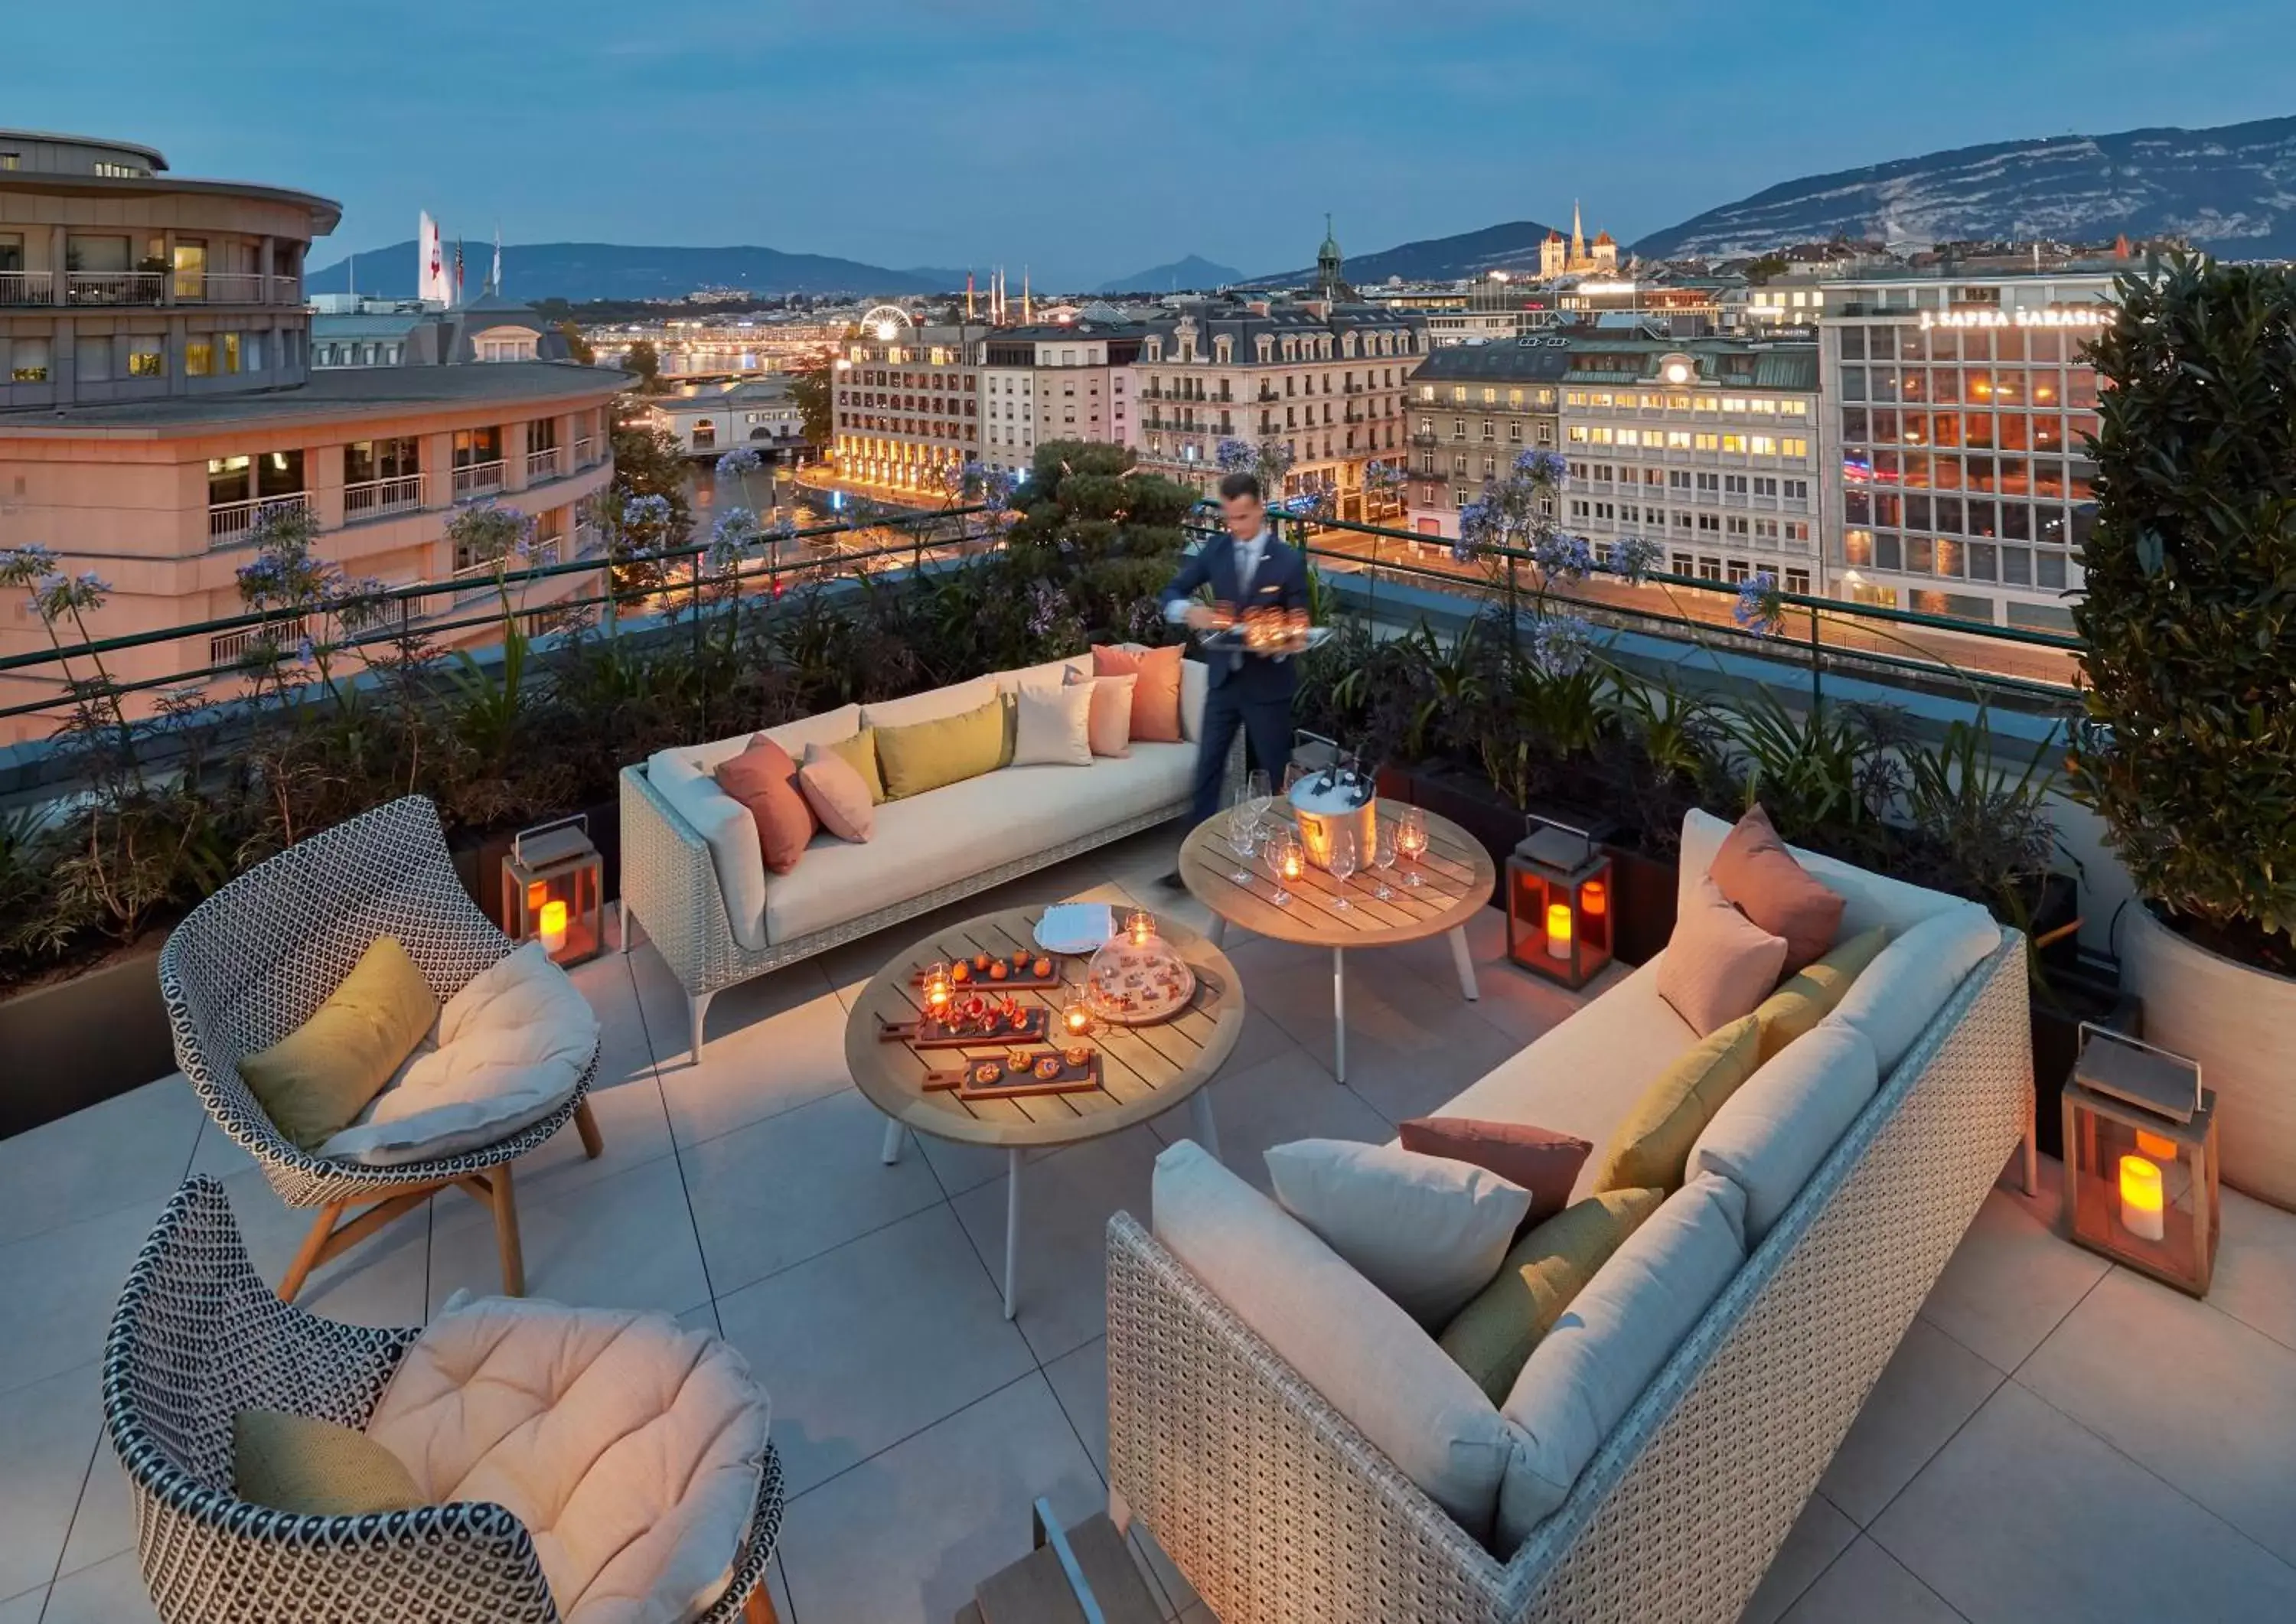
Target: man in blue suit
[(1246, 568)]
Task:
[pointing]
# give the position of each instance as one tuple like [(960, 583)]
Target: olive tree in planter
[(2190, 617)]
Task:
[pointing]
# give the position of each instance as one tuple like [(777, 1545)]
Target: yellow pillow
[(1808, 996), (1650, 1146), (314, 1468), (1493, 1336), (859, 752), (926, 755), (319, 1077)]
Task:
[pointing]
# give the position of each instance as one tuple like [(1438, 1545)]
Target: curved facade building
[(156, 397)]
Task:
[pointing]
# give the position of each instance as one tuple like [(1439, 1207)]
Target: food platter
[(1138, 983)]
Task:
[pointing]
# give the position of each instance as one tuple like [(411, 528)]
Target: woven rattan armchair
[(197, 1337), (251, 964)]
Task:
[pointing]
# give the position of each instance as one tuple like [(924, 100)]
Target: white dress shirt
[(1247, 554)]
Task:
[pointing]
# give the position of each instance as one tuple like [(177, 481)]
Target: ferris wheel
[(886, 322)]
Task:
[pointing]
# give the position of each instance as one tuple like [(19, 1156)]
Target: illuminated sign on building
[(2082, 315)]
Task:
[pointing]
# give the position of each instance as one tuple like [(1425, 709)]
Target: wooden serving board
[(933, 1035), (1019, 1083), (1015, 980)]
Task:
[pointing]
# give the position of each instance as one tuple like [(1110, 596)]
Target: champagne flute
[(1243, 834), (1382, 856), (1257, 794), (1411, 843), (1341, 860)]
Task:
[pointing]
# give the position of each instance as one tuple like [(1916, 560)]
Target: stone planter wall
[(2240, 1023)]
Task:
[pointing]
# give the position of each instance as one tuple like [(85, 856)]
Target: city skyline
[(1091, 147)]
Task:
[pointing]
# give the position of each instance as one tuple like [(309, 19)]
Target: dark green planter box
[(75, 1043)]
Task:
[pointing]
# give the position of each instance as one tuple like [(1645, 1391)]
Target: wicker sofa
[(1278, 1506), (694, 879)]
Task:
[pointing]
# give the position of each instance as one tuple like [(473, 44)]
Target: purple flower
[(1634, 557), (1560, 644), (1563, 556), (1759, 609), (740, 461), (1545, 467), (1235, 456), (1046, 604), (22, 566)]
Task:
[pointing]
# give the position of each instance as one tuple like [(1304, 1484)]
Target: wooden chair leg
[(585, 1123), (312, 1253), (505, 1203), (759, 1608)]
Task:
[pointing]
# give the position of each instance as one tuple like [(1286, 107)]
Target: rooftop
[(2056, 1440)]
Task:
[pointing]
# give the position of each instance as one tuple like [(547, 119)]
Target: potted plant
[(2189, 753)]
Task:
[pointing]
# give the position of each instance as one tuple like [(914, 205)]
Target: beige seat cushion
[(629, 1448), (1910, 981), (1347, 1339), (1585, 1076), (1769, 1136), (1808, 996), (1868, 898), (960, 829), (1618, 1332), (933, 705)]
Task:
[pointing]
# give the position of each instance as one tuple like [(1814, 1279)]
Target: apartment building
[(1474, 408), (905, 402), (1325, 379), (1957, 402), (1709, 446), (758, 412), (1058, 381), (150, 418)]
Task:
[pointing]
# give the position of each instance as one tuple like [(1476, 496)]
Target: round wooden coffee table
[(1455, 879), (1145, 1070)]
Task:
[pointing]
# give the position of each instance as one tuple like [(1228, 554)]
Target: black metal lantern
[(553, 890), (1558, 903)]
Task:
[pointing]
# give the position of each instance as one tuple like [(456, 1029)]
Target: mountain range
[(2231, 190), (1193, 274), (1513, 246), (608, 270)]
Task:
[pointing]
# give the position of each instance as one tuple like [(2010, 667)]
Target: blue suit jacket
[(1281, 582)]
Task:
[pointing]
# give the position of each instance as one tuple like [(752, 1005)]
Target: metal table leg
[(1340, 1013), (892, 1151), (1011, 1228), (1200, 1113), (1216, 932), (1464, 962)]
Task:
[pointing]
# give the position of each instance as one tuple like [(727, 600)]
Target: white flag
[(497, 277), (433, 256)]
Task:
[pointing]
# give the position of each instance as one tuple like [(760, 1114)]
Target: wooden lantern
[(2141, 1160), (553, 890), (1559, 896)]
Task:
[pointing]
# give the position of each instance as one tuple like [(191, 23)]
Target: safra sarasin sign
[(2070, 315)]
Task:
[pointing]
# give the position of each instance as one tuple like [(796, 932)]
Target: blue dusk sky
[(1091, 140)]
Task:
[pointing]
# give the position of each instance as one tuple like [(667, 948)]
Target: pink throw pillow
[(1718, 963), (838, 794), (764, 779), (1543, 1161), (1156, 701), (1111, 713), (1755, 872)]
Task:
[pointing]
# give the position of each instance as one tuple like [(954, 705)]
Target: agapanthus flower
[(1545, 467), (1759, 609), (1563, 556), (741, 460), (1235, 456), (22, 566), (1046, 604), (1559, 644), (1634, 557)]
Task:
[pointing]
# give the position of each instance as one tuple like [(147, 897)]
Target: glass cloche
[(1138, 977)]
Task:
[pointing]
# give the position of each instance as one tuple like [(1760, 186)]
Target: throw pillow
[(1757, 873), (1111, 712), (948, 750), (1541, 1161), (1156, 701), (1650, 1146), (1051, 726), (764, 779), (839, 796), (1503, 1323), (1718, 965), (1769, 1136), (859, 752), (1427, 1231), (1910, 979), (316, 1080), (1808, 996), (314, 1468)]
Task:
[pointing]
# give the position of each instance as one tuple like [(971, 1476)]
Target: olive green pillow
[(1492, 1337), (316, 1468), (315, 1080), (1808, 996), (1650, 1147), (927, 755), (859, 752)]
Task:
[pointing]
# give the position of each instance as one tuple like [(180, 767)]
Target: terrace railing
[(230, 523), (547, 463), (478, 480), (28, 287), (377, 498), (115, 287)]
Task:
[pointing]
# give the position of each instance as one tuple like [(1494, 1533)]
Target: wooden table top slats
[(1458, 873), (1145, 1070)]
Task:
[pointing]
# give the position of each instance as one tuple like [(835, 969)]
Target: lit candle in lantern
[(554, 927), (1558, 929), (2141, 1198), (1291, 862), (1594, 897)]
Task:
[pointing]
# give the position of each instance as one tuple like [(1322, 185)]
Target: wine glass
[(1243, 834), (1257, 794), (1411, 843), (1341, 860), (1281, 854), (1382, 856)]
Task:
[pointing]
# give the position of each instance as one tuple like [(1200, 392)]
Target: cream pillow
[(1718, 965), (1052, 725), (1352, 1345), (1768, 1138), (1910, 981), (1618, 1332), (841, 797), (1428, 1231)]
